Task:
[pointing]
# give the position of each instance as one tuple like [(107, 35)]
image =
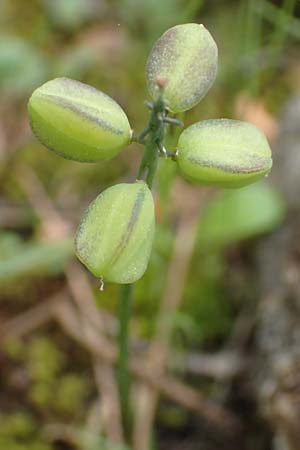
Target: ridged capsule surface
[(223, 152), (77, 121), (186, 56), (114, 238)]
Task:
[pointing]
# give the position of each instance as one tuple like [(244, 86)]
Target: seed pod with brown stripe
[(77, 121), (114, 238), (186, 57), (223, 152)]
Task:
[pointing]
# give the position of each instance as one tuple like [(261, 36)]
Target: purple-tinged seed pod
[(186, 56)]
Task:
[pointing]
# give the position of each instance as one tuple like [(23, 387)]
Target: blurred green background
[(46, 378)]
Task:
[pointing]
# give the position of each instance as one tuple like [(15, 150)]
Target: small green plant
[(78, 122), (81, 123)]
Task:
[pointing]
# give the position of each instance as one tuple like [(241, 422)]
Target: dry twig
[(169, 386), (104, 374), (60, 309)]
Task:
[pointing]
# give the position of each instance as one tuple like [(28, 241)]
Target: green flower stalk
[(77, 121)]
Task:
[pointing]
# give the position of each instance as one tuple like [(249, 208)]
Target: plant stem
[(155, 132), (154, 135), (125, 301)]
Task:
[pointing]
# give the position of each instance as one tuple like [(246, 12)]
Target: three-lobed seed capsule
[(223, 152), (114, 238), (186, 57), (77, 121)]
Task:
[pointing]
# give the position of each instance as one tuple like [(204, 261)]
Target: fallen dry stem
[(31, 319), (169, 386), (60, 308), (104, 374)]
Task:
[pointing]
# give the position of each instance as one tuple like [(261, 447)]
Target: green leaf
[(22, 67), (71, 13), (87, 440), (33, 258), (76, 62), (241, 214)]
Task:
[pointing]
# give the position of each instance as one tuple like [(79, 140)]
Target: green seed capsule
[(77, 121), (223, 152), (186, 56), (115, 236)]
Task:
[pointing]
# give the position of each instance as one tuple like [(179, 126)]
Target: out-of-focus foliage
[(71, 14), (240, 214), (207, 301), (46, 378), (136, 15), (49, 386), (18, 259), (22, 66), (91, 441), (18, 432)]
